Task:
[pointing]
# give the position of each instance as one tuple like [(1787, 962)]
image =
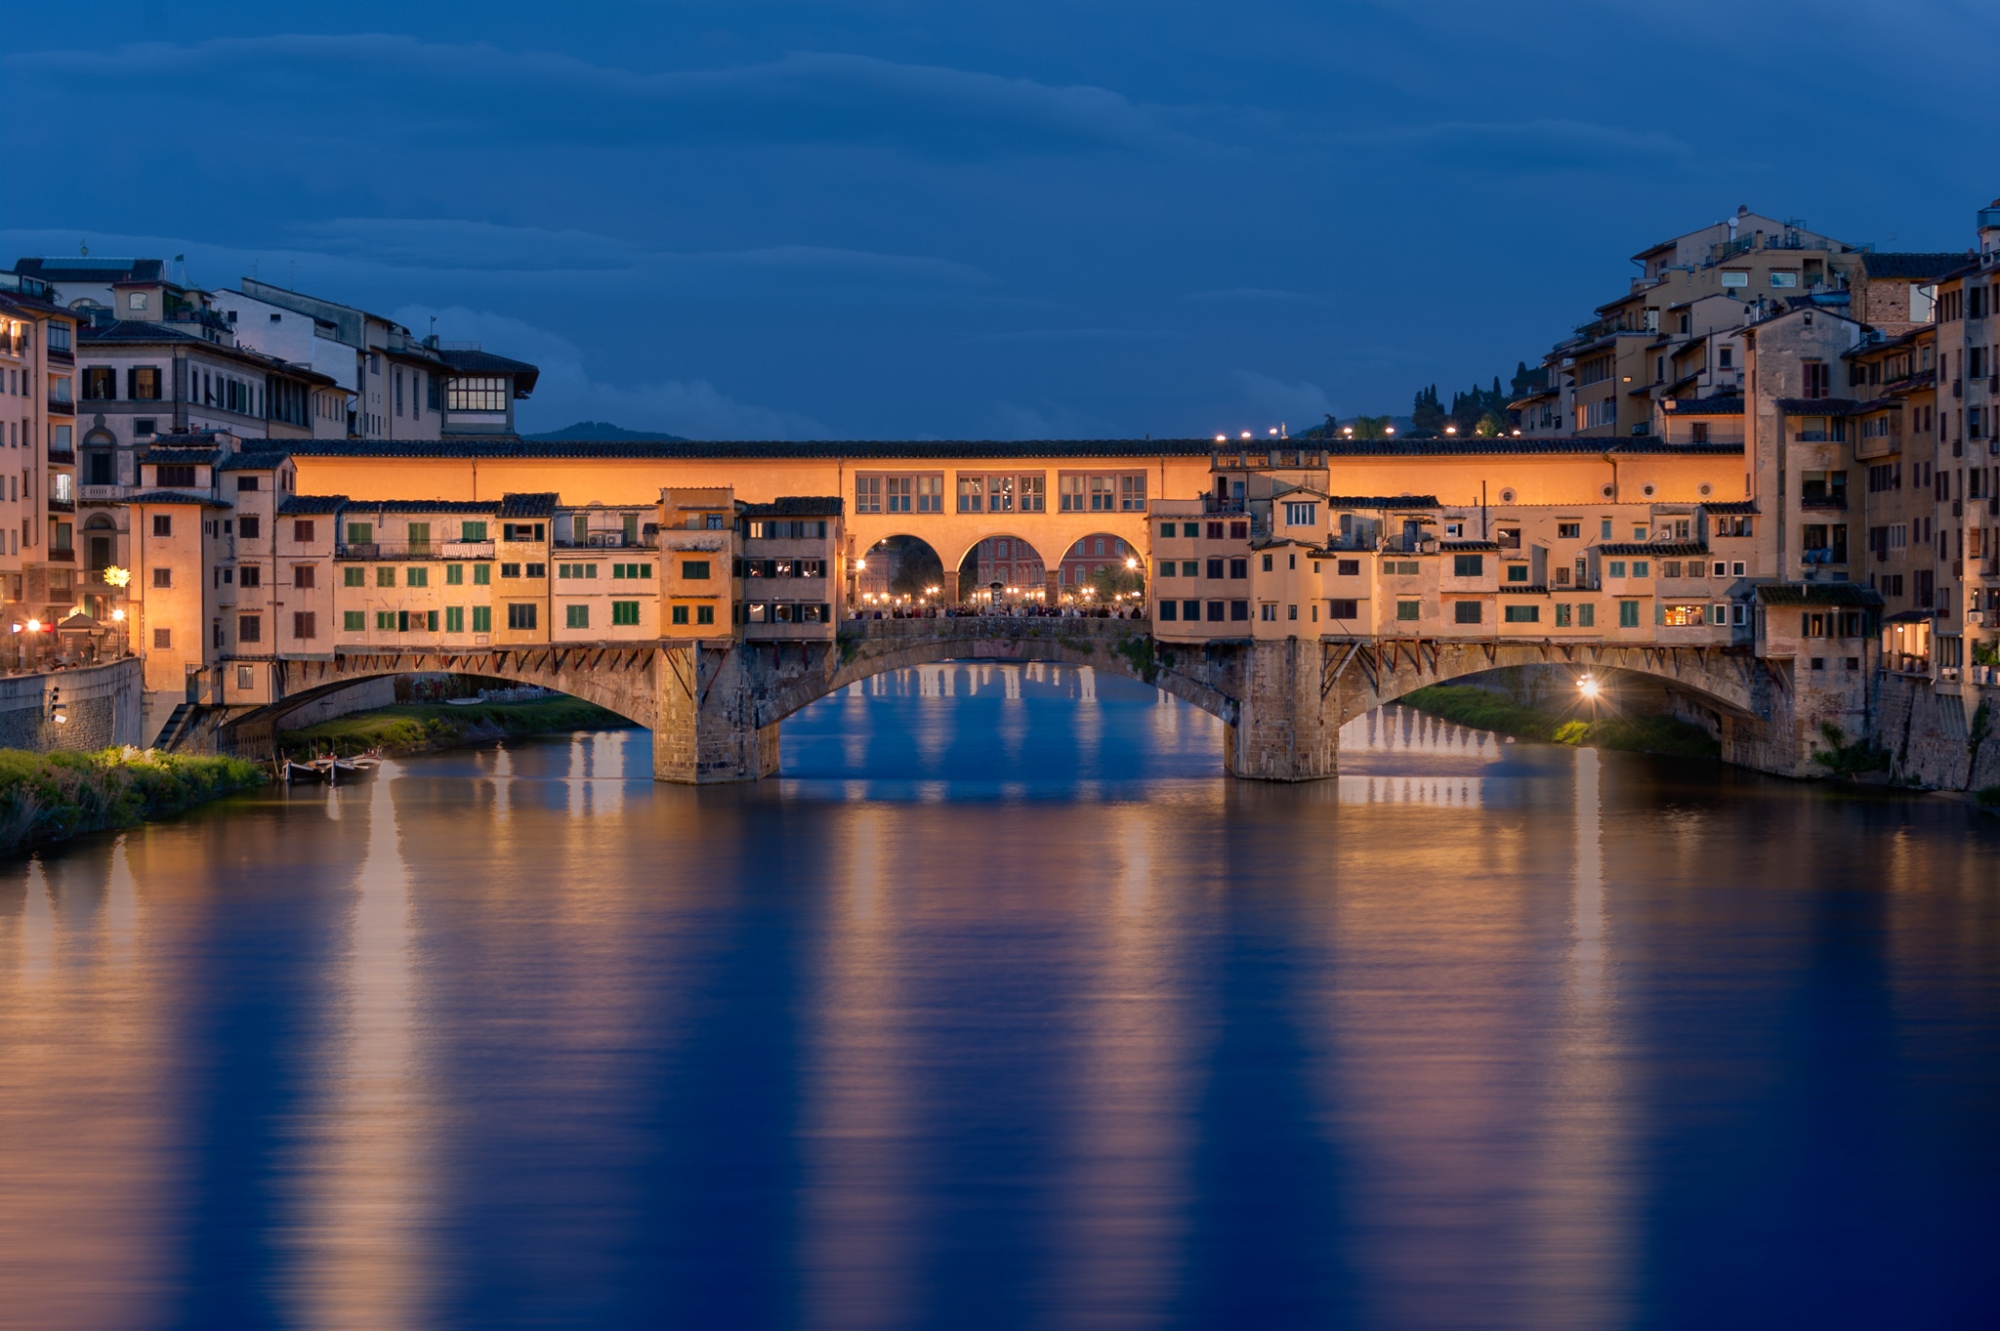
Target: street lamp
[(1589, 687)]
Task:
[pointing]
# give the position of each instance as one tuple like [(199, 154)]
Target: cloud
[(1296, 404), (439, 92), (566, 392), (1532, 146)]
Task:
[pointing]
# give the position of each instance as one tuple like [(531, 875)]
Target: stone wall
[(365, 696), (1935, 735), (102, 704)]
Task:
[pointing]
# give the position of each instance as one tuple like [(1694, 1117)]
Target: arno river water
[(1004, 1008)]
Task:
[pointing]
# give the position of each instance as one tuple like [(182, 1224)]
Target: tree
[(1426, 416)]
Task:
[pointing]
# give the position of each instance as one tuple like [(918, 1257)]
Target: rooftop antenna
[(83, 248)]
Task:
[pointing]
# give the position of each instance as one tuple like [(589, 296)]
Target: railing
[(63, 556), (413, 550), (1823, 501), (609, 540), (61, 406), (62, 505), (62, 457)]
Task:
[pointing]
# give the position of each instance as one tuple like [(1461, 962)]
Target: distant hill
[(604, 430)]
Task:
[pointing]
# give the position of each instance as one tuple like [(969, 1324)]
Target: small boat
[(297, 774)]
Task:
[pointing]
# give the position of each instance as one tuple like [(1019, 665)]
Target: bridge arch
[(900, 569), (1003, 569), (622, 680)]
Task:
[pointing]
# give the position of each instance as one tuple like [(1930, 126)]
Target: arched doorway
[(1002, 571), (899, 573), (1101, 570)]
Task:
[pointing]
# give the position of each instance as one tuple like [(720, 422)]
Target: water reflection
[(967, 1022)]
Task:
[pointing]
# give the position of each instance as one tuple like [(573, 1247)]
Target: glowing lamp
[(1589, 687), (118, 616), (34, 626)]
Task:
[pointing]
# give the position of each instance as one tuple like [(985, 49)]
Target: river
[(1002, 1007)]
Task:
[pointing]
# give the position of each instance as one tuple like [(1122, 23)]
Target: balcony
[(62, 506), (62, 556), (1824, 502), (61, 457), (406, 550), (609, 540), (61, 406)]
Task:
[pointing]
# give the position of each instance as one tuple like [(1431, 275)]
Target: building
[(40, 583)]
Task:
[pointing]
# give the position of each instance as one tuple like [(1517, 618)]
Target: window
[(481, 393), (420, 538), (1124, 492), (868, 494), (1586, 616), (1468, 566), (385, 621), (624, 613), (454, 619), (1628, 614), (1267, 563), (1343, 609), (576, 616), (694, 570), (385, 576), (1517, 572), (305, 624), (1169, 611), (142, 382), (1562, 614), (1239, 610), (1301, 515), (1784, 279), (536, 570), (642, 570), (163, 524), (1817, 372), (482, 575), (174, 475), (416, 577), (482, 618), (1215, 612), (360, 533), (1268, 613), (1569, 531), (249, 628), (521, 531), (1615, 569), (1408, 611), (1639, 568), (353, 577), (353, 621), (510, 570), (576, 571), (521, 615), (1521, 614), (1239, 568), (1468, 612), (100, 384), (472, 531), (454, 575), (163, 639), (163, 577), (680, 614), (250, 575)]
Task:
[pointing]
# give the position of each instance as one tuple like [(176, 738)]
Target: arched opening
[(899, 573), (1002, 571), (99, 459), (1100, 570)]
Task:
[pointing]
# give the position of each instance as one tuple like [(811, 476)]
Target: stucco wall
[(102, 704)]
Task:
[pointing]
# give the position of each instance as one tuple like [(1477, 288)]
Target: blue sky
[(979, 219)]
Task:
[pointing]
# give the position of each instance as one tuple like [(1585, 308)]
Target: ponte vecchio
[(709, 590)]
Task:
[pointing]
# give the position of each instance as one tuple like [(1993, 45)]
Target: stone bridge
[(715, 708)]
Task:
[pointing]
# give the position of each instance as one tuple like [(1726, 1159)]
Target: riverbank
[(47, 797), (422, 727), (1486, 710)]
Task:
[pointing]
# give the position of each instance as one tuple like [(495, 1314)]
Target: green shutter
[(482, 619)]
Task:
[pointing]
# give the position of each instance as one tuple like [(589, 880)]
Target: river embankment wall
[(100, 706)]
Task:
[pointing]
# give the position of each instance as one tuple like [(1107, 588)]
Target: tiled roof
[(92, 270), (1723, 404), (1818, 593), (426, 505), (1462, 546), (259, 459), (1918, 267), (175, 497), (528, 505), (1661, 549), (1523, 589), (1381, 501), (794, 506), (302, 505), (1731, 506), (181, 456), (485, 362), (138, 332), (923, 449)]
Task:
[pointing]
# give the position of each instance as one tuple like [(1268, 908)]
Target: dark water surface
[(1003, 1008)]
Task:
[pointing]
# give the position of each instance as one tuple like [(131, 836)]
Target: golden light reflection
[(861, 1175), (360, 1240)]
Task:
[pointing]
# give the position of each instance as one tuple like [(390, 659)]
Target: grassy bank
[(1635, 734), (419, 727), (50, 796)]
